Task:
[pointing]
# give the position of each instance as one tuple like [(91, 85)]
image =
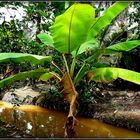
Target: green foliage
[(69, 36), (46, 39), (60, 7), (124, 46), (66, 34), (46, 76), (20, 57), (18, 35), (21, 76), (73, 32), (104, 20), (109, 74), (80, 74), (86, 98), (130, 60), (88, 45), (119, 47), (12, 37)]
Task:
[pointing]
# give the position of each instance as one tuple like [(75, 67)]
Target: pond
[(39, 122)]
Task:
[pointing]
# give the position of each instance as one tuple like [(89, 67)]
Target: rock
[(23, 95)]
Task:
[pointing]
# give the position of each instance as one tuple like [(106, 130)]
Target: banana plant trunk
[(71, 95)]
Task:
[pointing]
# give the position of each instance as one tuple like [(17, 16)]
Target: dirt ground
[(121, 109)]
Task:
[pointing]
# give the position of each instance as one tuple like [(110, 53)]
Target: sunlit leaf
[(71, 28), (109, 74), (124, 46), (23, 57)]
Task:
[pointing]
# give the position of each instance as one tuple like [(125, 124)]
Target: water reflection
[(40, 122)]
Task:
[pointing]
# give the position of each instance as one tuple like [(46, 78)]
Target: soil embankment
[(119, 108)]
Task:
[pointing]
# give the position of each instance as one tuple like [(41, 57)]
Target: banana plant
[(72, 34)]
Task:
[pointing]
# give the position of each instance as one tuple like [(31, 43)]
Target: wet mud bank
[(119, 108)]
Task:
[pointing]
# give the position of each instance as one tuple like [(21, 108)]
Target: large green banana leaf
[(119, 47), (124, 46), (104, 20), (70, 29), (109, 74), (22, 75), (21, 57)]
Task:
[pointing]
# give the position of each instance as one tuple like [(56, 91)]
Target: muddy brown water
[(40, 122)]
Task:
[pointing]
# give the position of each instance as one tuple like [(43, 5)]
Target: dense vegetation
[(70, 44)]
